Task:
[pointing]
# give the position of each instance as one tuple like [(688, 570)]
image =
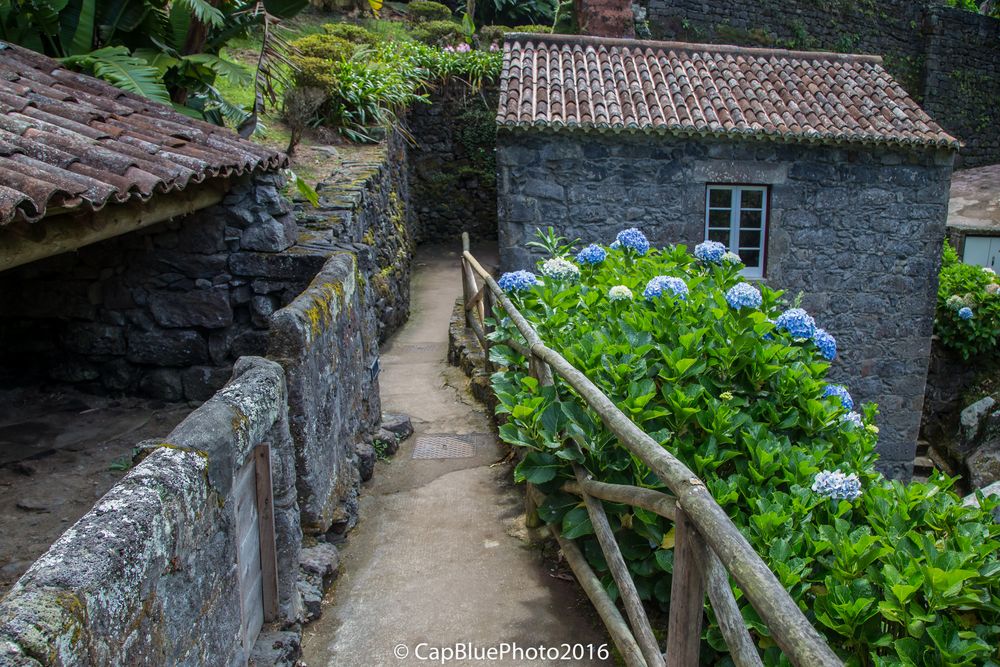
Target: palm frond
[(204, 12), (273, 63), (121, 69), (232, 72)]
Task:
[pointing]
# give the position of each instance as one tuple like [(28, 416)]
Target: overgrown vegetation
[(362, 85), (967, 319), (167, 51), (733, 383)]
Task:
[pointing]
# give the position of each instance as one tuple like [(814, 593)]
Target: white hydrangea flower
[(620, 293), (731, 258), (558, 268)]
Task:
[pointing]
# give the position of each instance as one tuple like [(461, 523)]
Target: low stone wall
[(150, 574), (321, 341), (453, 166)]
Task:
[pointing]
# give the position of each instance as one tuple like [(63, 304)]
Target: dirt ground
[(59, 453)]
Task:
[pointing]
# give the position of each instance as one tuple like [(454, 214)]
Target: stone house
[(817, 168)]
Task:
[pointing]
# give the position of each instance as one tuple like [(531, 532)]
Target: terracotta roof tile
[(598, 84), (68, 140)]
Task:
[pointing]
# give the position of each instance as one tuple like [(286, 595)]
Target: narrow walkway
[(436, 558)]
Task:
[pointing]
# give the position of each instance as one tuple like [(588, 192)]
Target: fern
[(121, 69)]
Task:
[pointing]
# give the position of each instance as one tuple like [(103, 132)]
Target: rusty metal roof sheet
[(69, 141), (599, 84)]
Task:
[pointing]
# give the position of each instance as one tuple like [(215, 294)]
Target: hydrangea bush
[(968, 307), (892, 574)]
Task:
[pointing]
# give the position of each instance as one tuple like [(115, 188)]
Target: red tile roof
[(592, 83), (70, 141)]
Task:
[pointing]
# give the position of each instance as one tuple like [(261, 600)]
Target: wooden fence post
[(687, 595)]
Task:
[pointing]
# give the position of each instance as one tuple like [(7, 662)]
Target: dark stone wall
[(165, 311), (859, 232), (453, 164), (326, 345), (945, 58)]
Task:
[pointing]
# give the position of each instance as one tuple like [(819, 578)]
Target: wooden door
[(255, 540)]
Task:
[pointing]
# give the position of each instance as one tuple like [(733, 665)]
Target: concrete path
[(974, 205), (436, 560)]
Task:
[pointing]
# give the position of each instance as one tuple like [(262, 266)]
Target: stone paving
[(438, 557), (974, 206)]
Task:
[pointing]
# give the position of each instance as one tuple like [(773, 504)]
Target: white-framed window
[(736, 215)]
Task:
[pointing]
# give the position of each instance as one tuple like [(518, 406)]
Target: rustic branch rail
[(708, 547)]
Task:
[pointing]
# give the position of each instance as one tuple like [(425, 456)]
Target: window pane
[(750, 219), (749, 239), (750, 257), (720, 235), (717, 197), (752, 199), (718, 219)]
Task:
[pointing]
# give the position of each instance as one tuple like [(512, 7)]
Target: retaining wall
[(453, 165), (150, 575), (321, 342), (945, 58)]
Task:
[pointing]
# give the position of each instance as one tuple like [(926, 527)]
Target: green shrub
[(491, 34), (546, 29), (898, 575), (313, 72), (439, 33), (352, 33), (323, 46), (967, 319), (426, 10), (368, 94)]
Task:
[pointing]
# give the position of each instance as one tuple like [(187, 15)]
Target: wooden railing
[(708, 547)]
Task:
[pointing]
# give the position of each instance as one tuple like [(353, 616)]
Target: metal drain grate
[(445, 446)]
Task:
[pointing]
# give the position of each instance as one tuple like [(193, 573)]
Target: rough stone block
[(270, 234), (166, 347), (208, 308)]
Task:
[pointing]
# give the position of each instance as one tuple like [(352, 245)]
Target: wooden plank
[(477, 298), (268, 546), (741, 646), (591, 585), (636, 613), (647, 499), (687, 596)]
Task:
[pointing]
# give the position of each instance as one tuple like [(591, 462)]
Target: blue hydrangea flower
[(633, 239), (852, 418), (835, 484), (515, 281), (660, 284), (616, 245), (840, 391), (710, 251), (743, 295), (558, 268), (797, 322), (965, 313), (592, 254), (826, 343)]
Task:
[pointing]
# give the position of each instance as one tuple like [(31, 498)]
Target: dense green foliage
[(167, 50), (427, 10), (439, 33), (516, 12), (366, 87), (967, 319), (900, 575)]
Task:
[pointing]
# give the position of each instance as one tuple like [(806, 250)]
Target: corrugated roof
[(592, 83), (71, 141)]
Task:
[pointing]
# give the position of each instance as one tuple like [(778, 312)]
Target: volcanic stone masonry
[(165, 312)]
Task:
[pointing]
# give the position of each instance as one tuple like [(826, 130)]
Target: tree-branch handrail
[(790, 629)]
